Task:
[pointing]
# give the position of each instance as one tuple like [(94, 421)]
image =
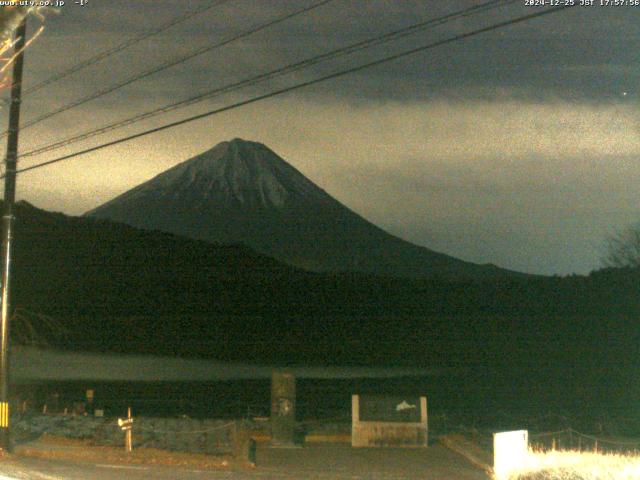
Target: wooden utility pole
[(11, 164)]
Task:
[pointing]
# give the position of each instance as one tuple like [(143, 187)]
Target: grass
[(578, 465), (49, 446)]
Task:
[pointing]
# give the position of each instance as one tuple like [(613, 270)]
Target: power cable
[(391, 36), (166, 65), (120, 47), (341, 73)]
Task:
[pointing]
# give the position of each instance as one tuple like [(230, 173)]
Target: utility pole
[(11, 164)]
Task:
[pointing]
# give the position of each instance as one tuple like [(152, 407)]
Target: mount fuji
[(242, 192)]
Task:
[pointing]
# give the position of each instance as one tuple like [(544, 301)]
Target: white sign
[(125, 423), (510, 451)]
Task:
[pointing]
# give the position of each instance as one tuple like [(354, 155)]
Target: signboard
[(125, 423), (379, 408), (389, 421), (510, 451)]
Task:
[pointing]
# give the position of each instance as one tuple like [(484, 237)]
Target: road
[(320, 461)]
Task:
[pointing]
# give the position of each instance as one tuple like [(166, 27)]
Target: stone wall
[(179, 434)]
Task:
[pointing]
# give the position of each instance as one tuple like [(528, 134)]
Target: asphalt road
[(321, 462)]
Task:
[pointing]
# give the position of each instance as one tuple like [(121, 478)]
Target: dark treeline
[(111, 287)]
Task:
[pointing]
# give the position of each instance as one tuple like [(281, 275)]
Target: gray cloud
[(524, 185), (532, 58)]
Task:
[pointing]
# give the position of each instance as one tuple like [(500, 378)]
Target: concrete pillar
[(283, 409)]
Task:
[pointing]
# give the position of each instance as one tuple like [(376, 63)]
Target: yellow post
[(128, 439)]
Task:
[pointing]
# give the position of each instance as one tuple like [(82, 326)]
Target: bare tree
[(623, 248)]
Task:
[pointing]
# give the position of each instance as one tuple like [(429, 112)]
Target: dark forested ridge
[(113, 287)]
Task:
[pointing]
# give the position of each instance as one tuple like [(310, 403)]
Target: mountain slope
[(94, 285), (242, 192)]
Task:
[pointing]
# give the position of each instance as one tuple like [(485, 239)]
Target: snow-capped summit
[(236, 172), (242, 192)]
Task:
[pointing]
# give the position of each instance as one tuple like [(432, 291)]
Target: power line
[(349, 49), (122, 46), (166, 65), (302, 85)]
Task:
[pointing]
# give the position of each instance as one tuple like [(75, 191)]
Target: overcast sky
[(519, 147)]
